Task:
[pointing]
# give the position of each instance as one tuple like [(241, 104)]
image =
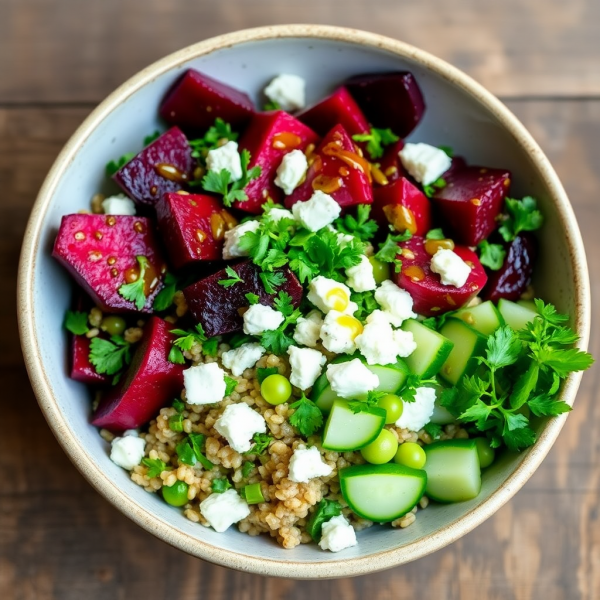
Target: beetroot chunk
[(511, 280), (163, 166), (150, 382), (402, 205), (471, 202), (81, 367), (195, 100), (100, 253), (337, 109), (337, 170), (192, 227), (430, 297), (219, 309), (269, 136), (391, 100)]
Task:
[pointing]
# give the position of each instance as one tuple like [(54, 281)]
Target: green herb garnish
[(523, 215), (76, 322), (324, 511), (230, 385), (155, 466), (376, 139), (113, 166), (388, 250), (435, 234), (491, 255), (307, 417), (164, 298), (109, 356), (212, 138), (233, 278), (261, 443), (218, 486), (184, 342), (432, 188), (263, 373), (135, 291), (272, 280), (360, 226)]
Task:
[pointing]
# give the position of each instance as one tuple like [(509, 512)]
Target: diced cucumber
[(431, 352), (484, 317), (382, 493), (468, 344), (530, 304), (346, 431), (453, 471), (516, 315)]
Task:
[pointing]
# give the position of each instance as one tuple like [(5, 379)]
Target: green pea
[(411, 455), (381, 270), (113, 325), (393, 407), (382, 449), (485, 452), (276, 389), (176, 494)]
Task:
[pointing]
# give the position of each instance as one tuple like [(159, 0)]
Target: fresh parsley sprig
[(221, 485), (411, 385), (523, 215), (135, 291), (164, 298), (114, 165), (389, 251), (277, 340), (324, 511), (307, 417), (272, 280), (76, 322), (261, 443), (155, 466), (376, 139), (184, 342), (110, 356), (360, 226), (357, 406), (212, 139), (491, 255), (232, 280), (189, 451), (439, 184)]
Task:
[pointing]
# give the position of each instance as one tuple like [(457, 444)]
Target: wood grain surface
[(61, 540)]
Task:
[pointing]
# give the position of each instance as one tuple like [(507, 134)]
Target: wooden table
[(58, 59)]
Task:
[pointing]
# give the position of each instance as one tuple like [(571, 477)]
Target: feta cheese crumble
[(242, 358), (328, 294), (396, 302), (127, 451), (277, 214), (317, 212), (337, 534), (424, 162), (225, 157), (223, 510), (260, 318), (306, 464), (451, 268), (360, 276), (204, 384), (339, 332), (306, 366), (238, 424), (351, 379), (119, 204), (290, 172), (308, 329), (231, 247), (288, 91), (417, 414)]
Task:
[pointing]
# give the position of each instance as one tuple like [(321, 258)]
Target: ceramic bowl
[(460, 113)]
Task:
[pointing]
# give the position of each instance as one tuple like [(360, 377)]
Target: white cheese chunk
[(242, 358), (415, 415), (119, 204), (339, 332), (291, 170), (127, 451), (277, 214), (424, 162), (317, 212), (360, 276), (204, 384), (308, 329), (337, 534), (238, 424), (306, 366), (260, 318), (288, 91), (231, 248), (396, 302), (451, 268), (328, 294), (223, 510), (306, 464), (225, 157), (380, 344), (351, 379)]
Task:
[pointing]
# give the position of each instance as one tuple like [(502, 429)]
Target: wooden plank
[(59, 539), (64, 50)]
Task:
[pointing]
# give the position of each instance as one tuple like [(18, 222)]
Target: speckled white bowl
[(460, 113)]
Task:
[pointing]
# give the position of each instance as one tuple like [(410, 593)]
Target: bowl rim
[(342, 567)]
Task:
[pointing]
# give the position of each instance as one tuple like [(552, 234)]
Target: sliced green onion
[(176, 422), (253, 493)]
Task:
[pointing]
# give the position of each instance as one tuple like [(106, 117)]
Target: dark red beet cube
[(100, 253), (163, 166), (471, 202), (337, 170), (512, 279), (195, 100), (150, 382), (192, 227), (390, 164), (269, 136), (220, 309), (402, 205), (391, 100), (337, 109), (430, 297), (81, 367)]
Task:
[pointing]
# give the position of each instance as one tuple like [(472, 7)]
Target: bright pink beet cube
[(81, 368)]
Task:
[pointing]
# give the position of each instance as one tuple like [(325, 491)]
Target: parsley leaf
[(307, 417), (218, 486), (135, 291), (176, 422), (433, 429), (247, 467), (432, 188), (230, 385), (544, 406), (272, 280), (373, 398), (435, 234), (155, 466), (113, 166), (448, 150), (271, 105), (233, 278), (217, 134), (263, 373), (76, 322), (388, 250), (239, 339), (164, 298), (184, 342), (491, 255), (376, 139), (523, 215), (178, 405), (189, 451), (151, 138), (209, 347), (412, 383), (366, 304), (360, 226), (109, 356), (324, 511), (503, 348), (261, 443), (277, 340)]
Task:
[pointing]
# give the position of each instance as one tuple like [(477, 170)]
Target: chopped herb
[(263, 373), (178, 405), (230, 385), (324, 511), (412, 383), (435, 234), (151, 138), (164, 298), (109, 356), (176, 422), (197, 441), (277, 340), (76, 322), (432, 188), (185, 452), (184, 342), (247, 467), (233, 278), (366, 304), (113, 166), (210, 346), (357, 406), (434, 430), (239, 339), (360, 226), (272, 280), (430, 322), (212, 138), (388, 250), (155, 466), (271, 105), (447, 150), (523, 215), (135, 291), (376, 139), (307, 417), (252, 298), (261, 443), (218, 486), (491, 255)]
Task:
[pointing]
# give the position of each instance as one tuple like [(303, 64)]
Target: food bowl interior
[(453, 117)]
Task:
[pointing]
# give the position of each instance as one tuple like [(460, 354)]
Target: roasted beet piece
[(100, 252), (337, 109), (471, 202), (430, 297), (337, 170), (218, 309), (391, 100), (269, 136), (81, 367), (150, 382), (511, 280), (163, 166), (192, 227), (196, 100), (390, 164), (402, 205)]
